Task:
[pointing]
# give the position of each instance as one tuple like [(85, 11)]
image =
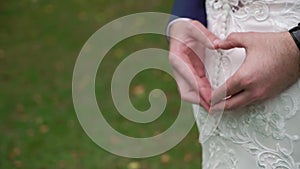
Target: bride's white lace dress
[(262, 136)]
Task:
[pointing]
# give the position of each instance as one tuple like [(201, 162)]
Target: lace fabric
[(262, 136)]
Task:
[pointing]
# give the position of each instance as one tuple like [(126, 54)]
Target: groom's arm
[(192, 9), (188, 10)]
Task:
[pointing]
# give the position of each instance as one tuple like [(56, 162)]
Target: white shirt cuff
[(172, 22)]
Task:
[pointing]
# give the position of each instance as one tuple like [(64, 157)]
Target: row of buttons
[(225, 9)]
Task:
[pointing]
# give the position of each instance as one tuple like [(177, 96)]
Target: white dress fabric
[(261, 136)]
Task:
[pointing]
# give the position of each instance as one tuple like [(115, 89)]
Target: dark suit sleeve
[(194, 9)]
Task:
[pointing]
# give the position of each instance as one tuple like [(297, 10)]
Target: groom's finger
[(200, 87), (196, 60), (234, 40), (195, 77), (240, 100), (198, 69), (192, 96), (192, 88), (185, 70), (230, 88)]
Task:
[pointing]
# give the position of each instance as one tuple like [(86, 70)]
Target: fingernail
[(216, 43)]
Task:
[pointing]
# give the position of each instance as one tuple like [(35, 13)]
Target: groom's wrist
[(295, 33)]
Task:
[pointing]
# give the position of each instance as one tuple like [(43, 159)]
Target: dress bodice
[(265, 135), (225, 16)]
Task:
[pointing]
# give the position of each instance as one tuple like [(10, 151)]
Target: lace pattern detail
[(262, 12), (220, 156), (247, 128)]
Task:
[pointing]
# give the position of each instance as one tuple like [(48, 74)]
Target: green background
[(39, 43)]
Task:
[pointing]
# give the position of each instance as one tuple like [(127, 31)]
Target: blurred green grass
[(39, 43)]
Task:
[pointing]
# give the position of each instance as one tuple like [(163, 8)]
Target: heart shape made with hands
[(190, 46), (263, 69), (190, 42)]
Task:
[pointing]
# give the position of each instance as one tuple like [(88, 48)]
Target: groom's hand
[(188, 39), (270, 67)]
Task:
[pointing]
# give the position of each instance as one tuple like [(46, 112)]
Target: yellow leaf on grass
[(44, 129), (139, 90), (165, 159), (134, 165)]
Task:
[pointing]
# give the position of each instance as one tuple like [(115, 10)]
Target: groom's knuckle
[(246, 81), (232, 36), (229, 106), (243, 82), (259, 94)]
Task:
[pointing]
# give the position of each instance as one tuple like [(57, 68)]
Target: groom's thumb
[(234, 40)]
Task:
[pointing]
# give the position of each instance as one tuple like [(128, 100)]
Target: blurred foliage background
[(39, 43)]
